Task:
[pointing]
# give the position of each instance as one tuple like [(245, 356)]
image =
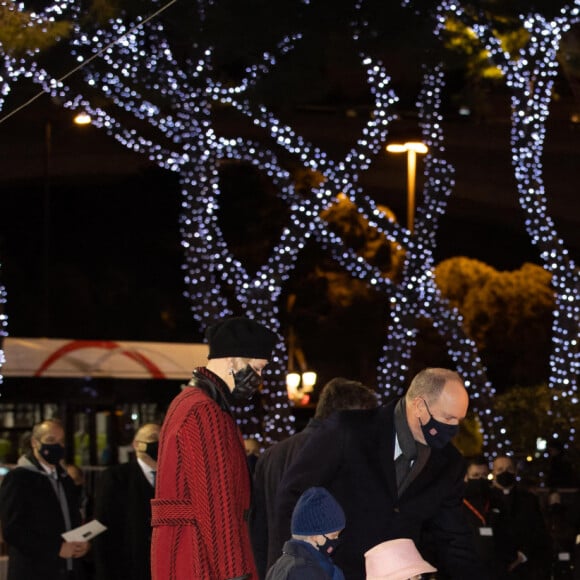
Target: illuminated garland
[(187, 143), (530, 78), (140, 75), (3, 329)]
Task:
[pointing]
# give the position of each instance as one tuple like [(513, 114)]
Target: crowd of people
[(364, 492)]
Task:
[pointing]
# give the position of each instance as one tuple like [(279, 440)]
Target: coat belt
[(172, 512), (176, 512)]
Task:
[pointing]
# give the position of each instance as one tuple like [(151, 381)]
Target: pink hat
[(395, 560)]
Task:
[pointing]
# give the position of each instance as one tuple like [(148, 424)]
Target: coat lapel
[(387, 447), (422, 475)]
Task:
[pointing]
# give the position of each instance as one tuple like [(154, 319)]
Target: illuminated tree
[(536, 411), (25, 33), (162, 100), (529, 76)]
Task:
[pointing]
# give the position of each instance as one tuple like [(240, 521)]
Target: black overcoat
[(32, 522), (352, 455), (270, 469), (123, 504)]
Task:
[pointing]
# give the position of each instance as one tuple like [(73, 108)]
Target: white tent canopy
[(69, 358)]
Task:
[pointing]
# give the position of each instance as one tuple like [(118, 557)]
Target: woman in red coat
[(202, 498)]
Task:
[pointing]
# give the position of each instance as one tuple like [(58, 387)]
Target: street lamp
[(411, 148), (299, 385), (82, 118)]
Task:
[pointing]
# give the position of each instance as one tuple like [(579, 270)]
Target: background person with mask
[(38, 502), (394, 472), (202, 498), (525, 522), (487, 519), (123, 504)]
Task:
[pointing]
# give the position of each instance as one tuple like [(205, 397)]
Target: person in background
[(202, 499), (338, 394), (252, 448), (317, 521), (123, 504), (562, 524), (38, 503), (560, 471), (78, 477), (396, 560), (525, 523), (487, 519), (394, 471)]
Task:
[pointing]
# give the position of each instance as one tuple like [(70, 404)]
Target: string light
[(140, 76), (530, 76), (3, 329)]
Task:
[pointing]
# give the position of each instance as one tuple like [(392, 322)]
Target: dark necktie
[(402, 470)]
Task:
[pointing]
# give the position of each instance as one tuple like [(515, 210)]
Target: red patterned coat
[(202, 498)]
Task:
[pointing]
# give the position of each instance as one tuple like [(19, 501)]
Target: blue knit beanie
[(317, 512)]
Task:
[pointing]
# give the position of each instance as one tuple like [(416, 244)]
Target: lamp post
[(81, 118), (299, 380), (411, 148)]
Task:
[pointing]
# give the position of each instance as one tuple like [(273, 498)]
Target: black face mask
[(246, 382), (436, 433), (152, 449), (476, 488), (52, 453), (329, 546), (505, 479)]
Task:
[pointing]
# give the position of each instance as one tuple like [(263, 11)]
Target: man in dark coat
[(338, 394), (525, 522), (487, 519), (123, 504), (393, 471), (38, 502)]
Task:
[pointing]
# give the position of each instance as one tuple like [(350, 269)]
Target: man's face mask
[(152, 449), (436, 433), (52, 453), (246, 382), (505, 478), (476, 488)]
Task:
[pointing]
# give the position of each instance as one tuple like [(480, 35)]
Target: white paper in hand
[(85, 532)]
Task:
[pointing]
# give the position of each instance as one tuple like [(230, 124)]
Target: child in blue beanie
[(317, 521)]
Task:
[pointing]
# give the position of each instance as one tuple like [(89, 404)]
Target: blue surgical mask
[(436, 433)]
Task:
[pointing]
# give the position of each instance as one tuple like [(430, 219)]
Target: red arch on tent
[(75, 345)]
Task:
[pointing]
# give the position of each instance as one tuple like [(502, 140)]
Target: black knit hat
[(240, 337), (316, 513)]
